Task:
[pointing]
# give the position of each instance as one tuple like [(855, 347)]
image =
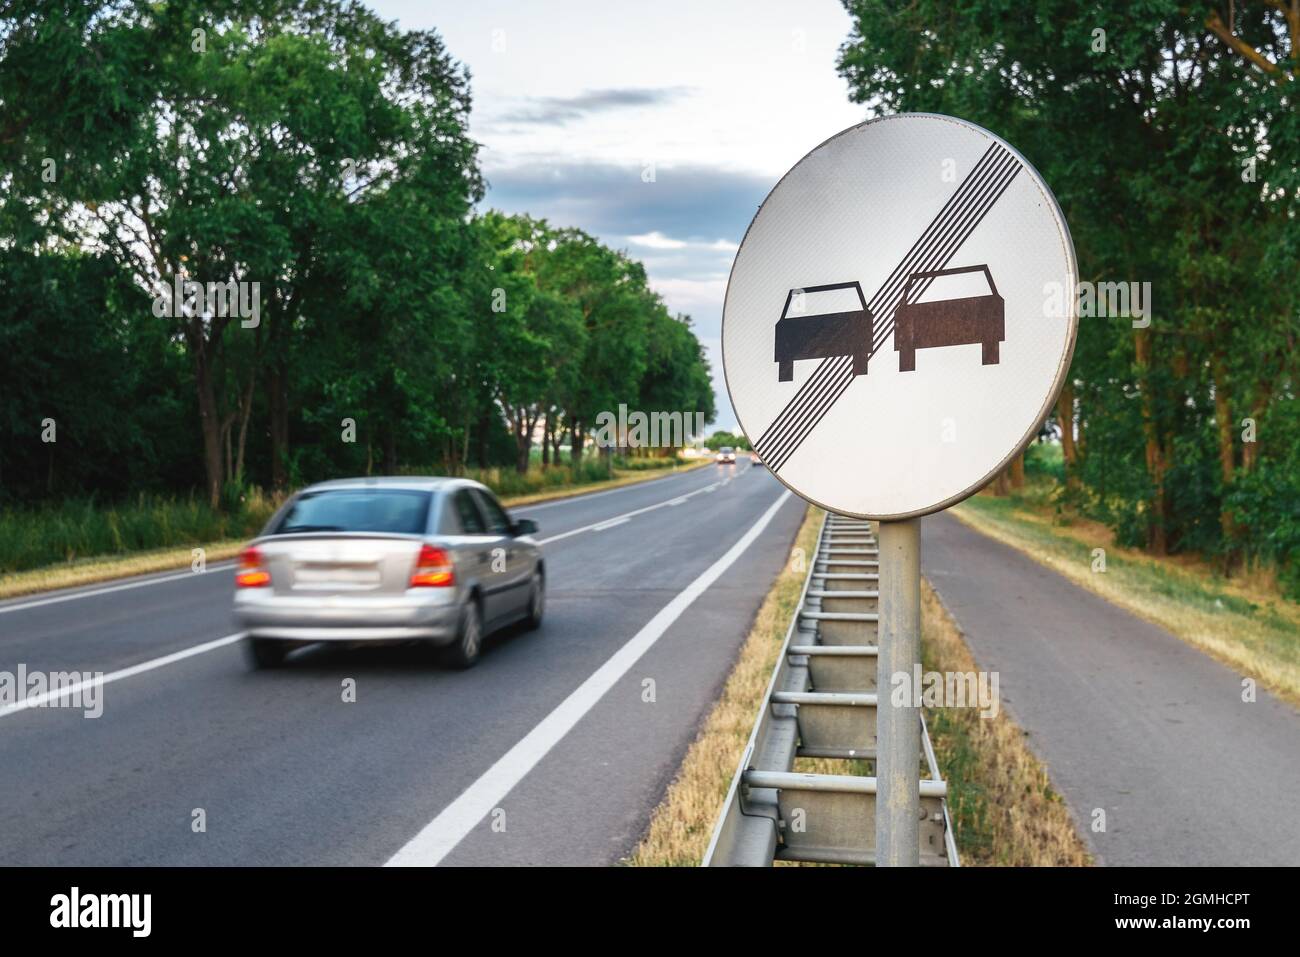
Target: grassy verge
[(1003, 807), (79, 544), (1243, 623)]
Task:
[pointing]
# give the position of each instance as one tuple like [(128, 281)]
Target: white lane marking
[(620, 519), (588, 496), (38, 700), (441, 835), (221, 566)]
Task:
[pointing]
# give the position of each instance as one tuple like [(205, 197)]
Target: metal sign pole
[(898, 735)]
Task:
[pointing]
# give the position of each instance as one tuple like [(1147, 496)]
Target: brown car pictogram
[(949, 322)]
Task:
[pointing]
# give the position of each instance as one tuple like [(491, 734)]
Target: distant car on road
[(755, 460), (389, 559), (726, 456)]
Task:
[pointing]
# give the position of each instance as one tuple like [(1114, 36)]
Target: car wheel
[(536, 601), (266, 652), (464, 651)]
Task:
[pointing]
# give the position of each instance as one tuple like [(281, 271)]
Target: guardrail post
[(898, 749)]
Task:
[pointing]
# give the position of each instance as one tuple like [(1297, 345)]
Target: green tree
[(263, 131)]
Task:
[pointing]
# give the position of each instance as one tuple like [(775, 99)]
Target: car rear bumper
[(341, 618)]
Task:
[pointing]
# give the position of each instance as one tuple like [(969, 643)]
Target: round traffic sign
[(900, 316)]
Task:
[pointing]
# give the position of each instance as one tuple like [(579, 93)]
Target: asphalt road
[(1128, 718), (546, 753)]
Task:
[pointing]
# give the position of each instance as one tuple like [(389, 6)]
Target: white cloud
[(657, 240)]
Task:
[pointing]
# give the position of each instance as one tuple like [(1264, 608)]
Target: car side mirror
[(523, 526)]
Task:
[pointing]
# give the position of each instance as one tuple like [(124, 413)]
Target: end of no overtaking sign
[(889, 340)]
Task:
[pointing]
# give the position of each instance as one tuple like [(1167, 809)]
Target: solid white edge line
[(39, 700), (55, 599), (441, 835)]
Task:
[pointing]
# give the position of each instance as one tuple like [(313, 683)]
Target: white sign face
[(900, 316)]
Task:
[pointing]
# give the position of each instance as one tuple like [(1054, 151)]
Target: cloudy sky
[(578, 102)]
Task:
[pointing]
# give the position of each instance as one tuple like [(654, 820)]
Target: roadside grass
[(681, 826), (66, 534), (80, 543), (1001, 801), (1242, 621)]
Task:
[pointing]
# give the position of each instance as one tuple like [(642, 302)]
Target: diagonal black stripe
[(921, 249), (809, 406), (932, 233), (835, 371), (813, 383), (925, 239), (819, 414), (1002, 188), (797, 397)]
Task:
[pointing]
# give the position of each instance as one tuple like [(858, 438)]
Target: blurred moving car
[(389, 559), (726, 455), (755, 460)]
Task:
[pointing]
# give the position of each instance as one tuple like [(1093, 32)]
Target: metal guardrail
[(821, 702)]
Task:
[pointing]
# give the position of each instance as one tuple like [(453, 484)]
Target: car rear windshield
[(399, 511)]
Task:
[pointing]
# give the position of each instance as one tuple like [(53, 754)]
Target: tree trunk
[(546, 442), (1155, 460), (209, 422), (279, 408), (1227, 456), (1016, 471), (575, 446), (1065, 416), (390, 450), (523, 441), (1250, 450), (245, 413), (484, 424)]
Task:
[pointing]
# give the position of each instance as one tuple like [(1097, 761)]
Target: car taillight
[(433, 568), (252, 571)]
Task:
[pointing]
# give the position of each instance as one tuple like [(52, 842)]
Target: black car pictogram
[(846, 333)]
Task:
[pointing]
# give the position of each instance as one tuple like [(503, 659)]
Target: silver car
[(389, 559)]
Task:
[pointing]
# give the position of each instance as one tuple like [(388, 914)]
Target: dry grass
[(1003, 808), (682, 825), (91, 571), (1239, 621)]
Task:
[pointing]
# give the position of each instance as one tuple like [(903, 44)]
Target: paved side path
[(1126, 716)]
